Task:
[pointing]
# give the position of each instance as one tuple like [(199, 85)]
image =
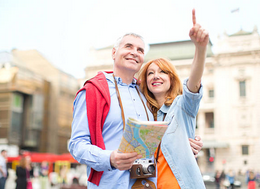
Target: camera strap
[(121, 105)]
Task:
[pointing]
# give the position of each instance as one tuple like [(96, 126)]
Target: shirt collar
[(164, 109), (119, 81)]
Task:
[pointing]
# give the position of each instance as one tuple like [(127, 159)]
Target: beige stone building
[(229, 115), (36, 101)]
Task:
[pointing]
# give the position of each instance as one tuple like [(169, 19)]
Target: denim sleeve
[(80, 145), (191, 101)]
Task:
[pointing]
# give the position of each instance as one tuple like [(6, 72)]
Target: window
[(36, 118), (17, 104), (17, 117), (245, 150), (242, 88), (209, 120), (211, 93)]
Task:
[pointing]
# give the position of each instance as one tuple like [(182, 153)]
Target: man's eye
[(141, 51)]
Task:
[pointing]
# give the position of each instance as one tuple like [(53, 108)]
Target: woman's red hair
[(172, 93)]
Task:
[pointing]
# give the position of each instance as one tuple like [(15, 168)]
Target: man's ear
[(113, 53)]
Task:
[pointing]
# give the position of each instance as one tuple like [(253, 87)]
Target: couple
[(105, 102)]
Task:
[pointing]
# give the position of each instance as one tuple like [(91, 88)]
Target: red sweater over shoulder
[(98, 105)]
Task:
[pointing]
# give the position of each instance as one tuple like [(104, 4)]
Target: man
[(100, 110), (3, 169)]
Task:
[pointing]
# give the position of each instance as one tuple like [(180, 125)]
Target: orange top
[(165, 177)]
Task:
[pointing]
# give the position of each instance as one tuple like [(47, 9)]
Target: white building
[(229, 117)]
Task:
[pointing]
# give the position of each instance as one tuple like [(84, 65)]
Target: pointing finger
[(193, 17)]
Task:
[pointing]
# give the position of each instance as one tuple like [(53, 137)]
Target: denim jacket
[(175, 146)]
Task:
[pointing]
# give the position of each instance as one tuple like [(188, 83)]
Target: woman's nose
[(156, 76)]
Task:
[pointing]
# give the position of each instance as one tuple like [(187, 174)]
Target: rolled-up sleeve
[(191, 101)]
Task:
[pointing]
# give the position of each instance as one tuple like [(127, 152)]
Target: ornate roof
[(241, 32)]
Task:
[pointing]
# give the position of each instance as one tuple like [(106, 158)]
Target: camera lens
[(151, 169), (148, 168)]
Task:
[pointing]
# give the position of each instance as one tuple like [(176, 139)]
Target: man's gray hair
[(119, 40)]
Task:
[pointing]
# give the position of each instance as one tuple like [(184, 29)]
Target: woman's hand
[(198, 35), (196, 145), (200, 38)]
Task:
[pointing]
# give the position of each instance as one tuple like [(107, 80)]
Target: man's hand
[(196, 145), (3, 173), (123, 161), (198, 35)]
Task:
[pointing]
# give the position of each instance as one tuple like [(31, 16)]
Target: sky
[(63, 31)]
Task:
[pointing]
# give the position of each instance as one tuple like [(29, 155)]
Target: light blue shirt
[(3, 166), (94, 157), (175, 146)]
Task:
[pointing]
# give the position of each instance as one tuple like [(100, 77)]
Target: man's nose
[(134, 52)]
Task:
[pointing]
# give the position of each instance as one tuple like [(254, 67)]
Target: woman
[(218, 179), (251, 180), (178, 104), (23, 173)]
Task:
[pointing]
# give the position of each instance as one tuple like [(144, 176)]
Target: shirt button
[(134, 99), (139, 115)]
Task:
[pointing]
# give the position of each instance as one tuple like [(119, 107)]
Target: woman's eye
[(163, 71), (149, 73)]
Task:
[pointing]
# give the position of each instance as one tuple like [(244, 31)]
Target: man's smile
[(132, 59)]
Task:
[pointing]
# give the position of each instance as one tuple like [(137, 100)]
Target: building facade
[(36, 101), (229, 116)]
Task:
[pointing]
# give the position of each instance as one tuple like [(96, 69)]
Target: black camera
[(143, 168)]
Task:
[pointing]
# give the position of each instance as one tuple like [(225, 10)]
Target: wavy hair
[(172, 93)]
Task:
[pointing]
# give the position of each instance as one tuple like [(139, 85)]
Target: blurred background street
[(39, 183), (53, 181)]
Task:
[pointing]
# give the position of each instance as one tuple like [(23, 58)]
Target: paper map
[(142, 137)]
